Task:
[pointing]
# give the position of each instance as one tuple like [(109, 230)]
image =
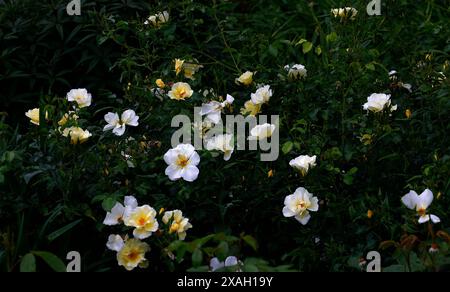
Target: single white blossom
[(115, 242), (230, 261), (303, 163), (262, 95), (296, 71), (421, 203), (377, 102), (80, 96), (182, 162), (118, 125), (300, 204), (261, 132)]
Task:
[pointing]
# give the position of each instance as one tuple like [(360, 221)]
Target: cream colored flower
[(178, 223), (179, 66), (190, 69), (33, 115), (158, 19), (223, 143), (299, 205), (262, 132), (132, 254), (251, 109), (303, 163), (245, 79), (143, 219), (345, 13), (77, 135), (80, 96), (377, 102), (68, 116), (297, 71), (180, 91), (160, 83), (262, 95)]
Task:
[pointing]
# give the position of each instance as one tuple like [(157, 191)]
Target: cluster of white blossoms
[(158, 19), (378, 102), (420, 203), (345, 13), (118, 124), (131, 252), (213, 110), (296, 71)]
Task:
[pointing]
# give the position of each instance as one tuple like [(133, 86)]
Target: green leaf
[(52, 260), (287, 147), (28, 263), (108, 203), (332, 37), (54, 235), (370, 67), (307, 47), (197, 257), (318, 51), (251, 241), (28, 176)]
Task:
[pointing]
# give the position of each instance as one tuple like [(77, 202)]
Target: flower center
[(182, 92), (142, 221), (422, 211), (182, 161), (133, 255), (301, 205)]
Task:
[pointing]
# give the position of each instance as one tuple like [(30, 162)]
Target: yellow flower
[(179, 223), (366, 139), (181, 91), (77, 135), (160, 83), (190, 69), (245, 79), (408, 113), (144, 221), (33, 115), (270, 173), (178, 66), (370, 214), (251, 109), (67, 117), (132, 254)]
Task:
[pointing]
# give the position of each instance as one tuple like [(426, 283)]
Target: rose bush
[(85, 134)]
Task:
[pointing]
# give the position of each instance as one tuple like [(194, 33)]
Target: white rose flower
[(299, 205), (262, 95), (223, 143), (80, 96), (182, 161), (297, 71), (421, 203), (118, 125), (377, 102), (262, 132), (303, 163)]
